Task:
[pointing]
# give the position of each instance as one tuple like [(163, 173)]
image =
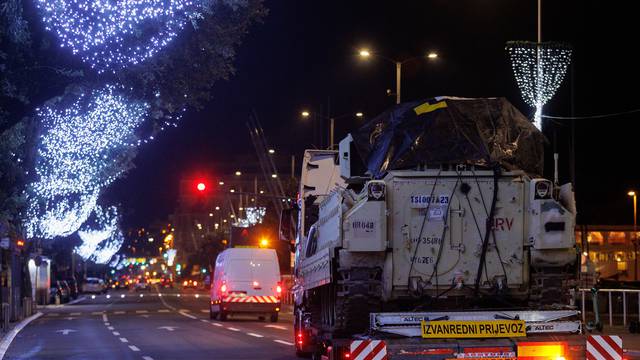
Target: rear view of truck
[(438, 239)]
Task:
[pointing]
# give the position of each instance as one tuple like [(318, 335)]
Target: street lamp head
[(631, 193), (238, 173), (305, 113), (359, 114), (364, 53), (432, 55), (272, 151)]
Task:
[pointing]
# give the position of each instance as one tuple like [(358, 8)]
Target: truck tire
[(274, 317)]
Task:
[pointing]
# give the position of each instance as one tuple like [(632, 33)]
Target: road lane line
[(233, 329), (187, 315), (124, 340), (163, 311), (185, 310), (96, 313), (141, 311), (115, 333), (216, 324), (133, 348), (104, 318), (276, 327), (6, 341), (206, 311), (147, 358), (203, 320), (118, 312), (255, 335), (283, 342), (110, 328)]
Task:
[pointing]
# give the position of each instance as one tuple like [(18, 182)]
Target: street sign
[(4, 243)]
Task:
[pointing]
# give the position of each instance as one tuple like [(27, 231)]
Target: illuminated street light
[(218, 208), (365, 54), (238, 173), (272, 151), (210, 214), (232, 190), (221, 183), (305, 114), (359, 114), (274, 175)]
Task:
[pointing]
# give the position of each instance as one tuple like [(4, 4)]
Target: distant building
[(612, 249)]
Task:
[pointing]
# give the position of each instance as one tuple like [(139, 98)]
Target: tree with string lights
[(85, 84)]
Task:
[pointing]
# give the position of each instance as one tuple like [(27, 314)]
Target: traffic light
[(20, 244), (201, 186)]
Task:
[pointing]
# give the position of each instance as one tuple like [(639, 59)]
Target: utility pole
[(398, 79)]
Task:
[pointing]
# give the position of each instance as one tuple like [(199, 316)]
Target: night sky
[(304, 55)]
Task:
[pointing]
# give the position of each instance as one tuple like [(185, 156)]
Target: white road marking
[(163, 311), (118, 312), (133, 348), (8, 338), (187, 315), (96, 313), (276, 327), (203, 320), (255, 335), (105, 318), (115, 333), (233, 329), (75, 314), (66, 331), (283, 342), (216, 324), (70, 318), (124, 340), (110, 328), (185, 310), (107, 324), (147, 358), (206, 311), (141, 311), (168, 328)]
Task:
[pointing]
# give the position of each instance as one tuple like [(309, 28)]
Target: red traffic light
[(201, 186), (20, 243)]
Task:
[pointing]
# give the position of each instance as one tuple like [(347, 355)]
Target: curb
[(8, 338)]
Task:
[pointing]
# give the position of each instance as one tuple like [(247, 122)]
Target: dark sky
[(304, 56)]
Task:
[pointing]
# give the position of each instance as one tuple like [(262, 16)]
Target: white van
[(246, 280)]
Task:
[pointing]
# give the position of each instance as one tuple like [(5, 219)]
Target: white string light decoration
[(102, 242), (111, 34), (539, 69), (82, 150)]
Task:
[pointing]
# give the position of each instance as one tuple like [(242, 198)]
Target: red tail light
[(279, 289), (223, 288), (299, 338)]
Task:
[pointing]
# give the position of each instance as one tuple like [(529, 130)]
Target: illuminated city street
[(324, 180)]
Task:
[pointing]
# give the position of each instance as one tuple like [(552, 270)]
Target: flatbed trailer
[(548, 334)]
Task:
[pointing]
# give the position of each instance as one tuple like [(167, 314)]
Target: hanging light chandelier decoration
[(539, 69)]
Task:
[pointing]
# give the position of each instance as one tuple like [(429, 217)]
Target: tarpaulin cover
[(447, 130)]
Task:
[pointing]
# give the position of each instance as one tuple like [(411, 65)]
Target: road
[(150, 326)]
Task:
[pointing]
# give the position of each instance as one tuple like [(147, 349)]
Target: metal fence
[(618, 303)]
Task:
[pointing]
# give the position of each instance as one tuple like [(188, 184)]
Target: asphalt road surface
[(150, 326)]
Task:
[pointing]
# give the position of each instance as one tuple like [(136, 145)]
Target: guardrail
[(624, 293)]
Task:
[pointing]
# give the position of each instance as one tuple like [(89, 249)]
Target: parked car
[(166, 283), (73, 286), (94, 286), (58, 292), (142, 285)]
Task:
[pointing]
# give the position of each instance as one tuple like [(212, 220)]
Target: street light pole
[(331, 131), (398, 79), (635, 231)]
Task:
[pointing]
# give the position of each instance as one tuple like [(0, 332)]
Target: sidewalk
[(14, 329)]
